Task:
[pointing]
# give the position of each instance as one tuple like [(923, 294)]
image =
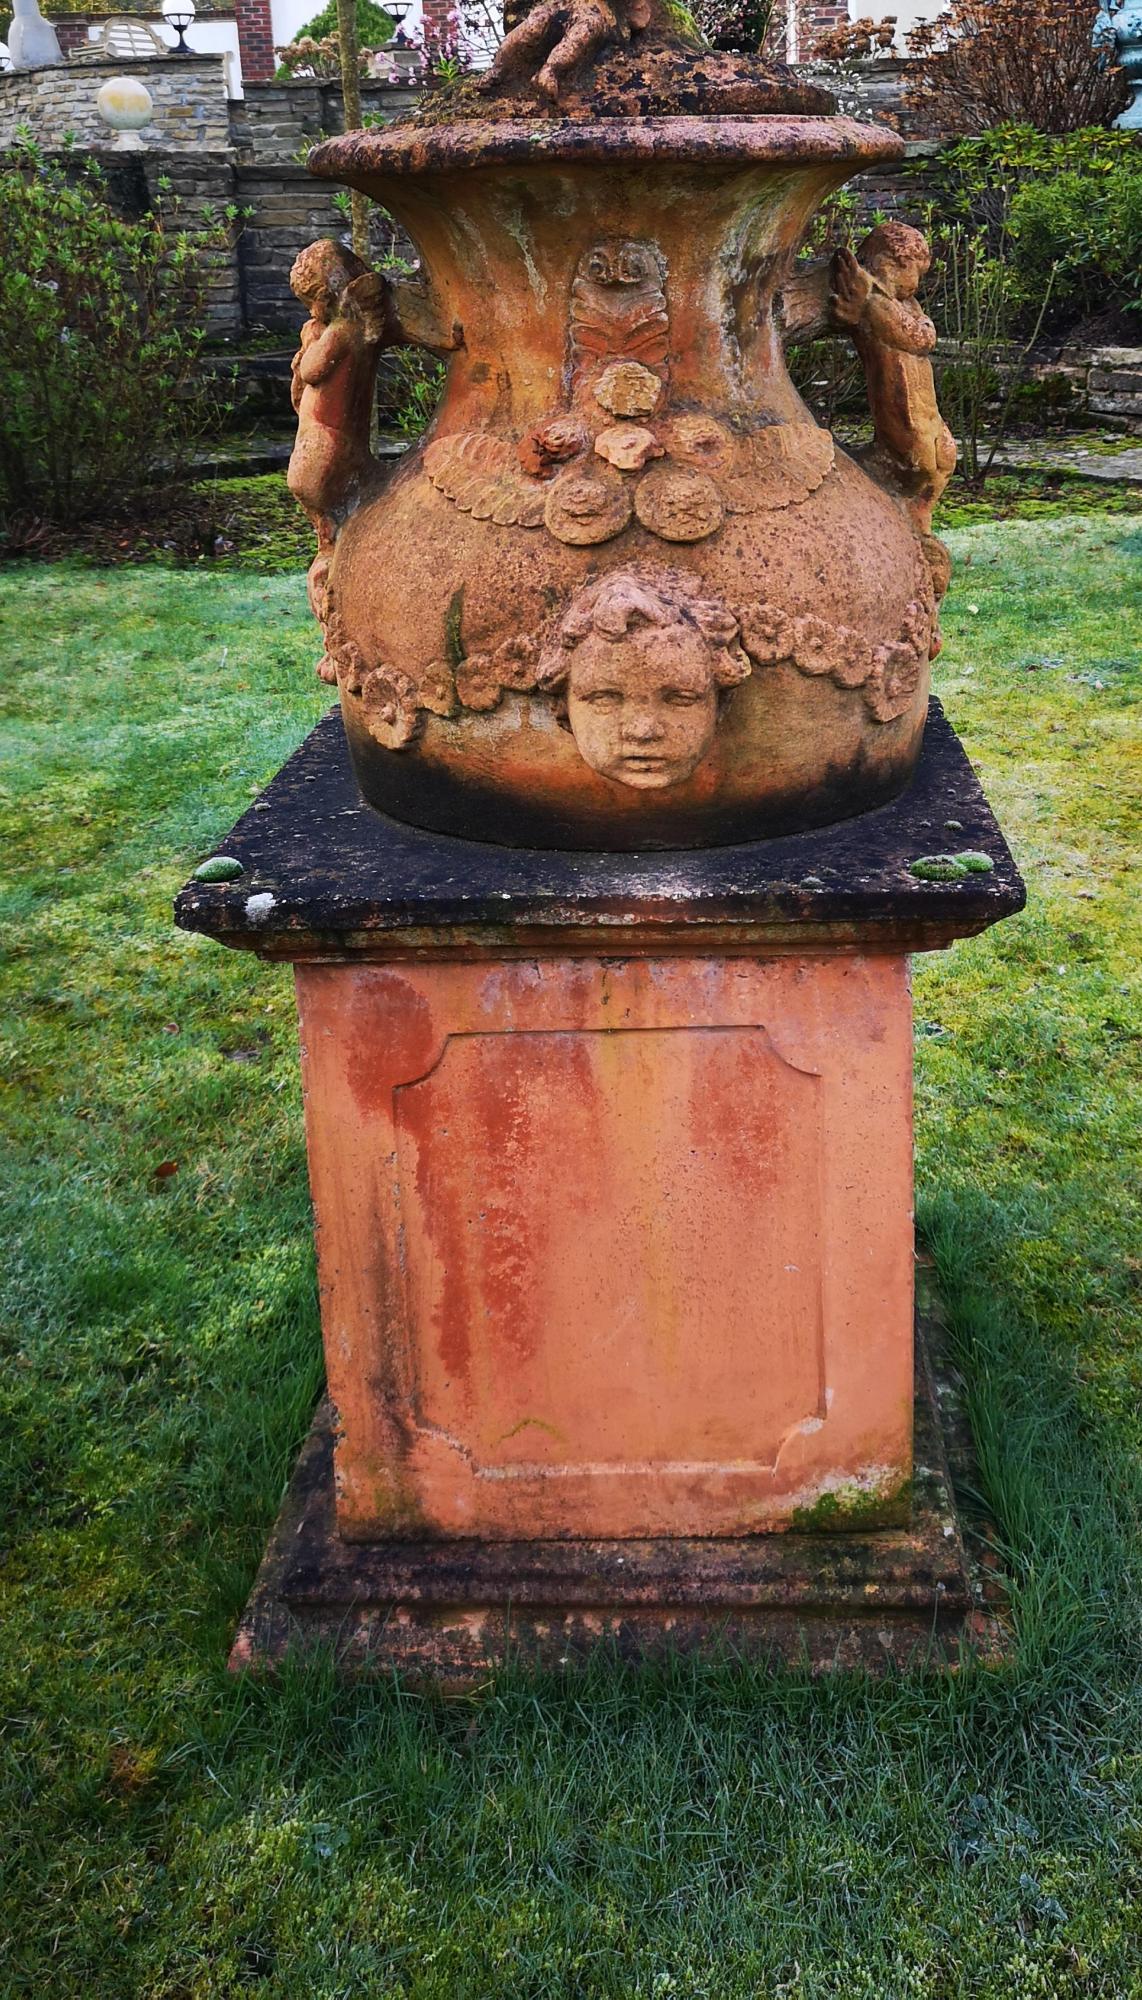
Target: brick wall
[(256, 40), (794, 26), (440, 25), (71, 35), (816, 18)]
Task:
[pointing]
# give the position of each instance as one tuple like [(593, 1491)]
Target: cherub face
[(901, 276), (643, 708)]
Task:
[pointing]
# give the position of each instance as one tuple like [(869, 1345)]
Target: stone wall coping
[(128, 66), (257, 84)]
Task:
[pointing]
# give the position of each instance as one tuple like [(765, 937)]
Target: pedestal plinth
[(611, 1169)]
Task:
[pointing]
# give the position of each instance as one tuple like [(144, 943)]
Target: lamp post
[(178, 14)]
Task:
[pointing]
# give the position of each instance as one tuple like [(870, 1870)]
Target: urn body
[(626, 593)]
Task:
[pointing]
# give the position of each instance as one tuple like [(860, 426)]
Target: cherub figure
[(565, 33), (644, 660), (873, 298), (352, 316)]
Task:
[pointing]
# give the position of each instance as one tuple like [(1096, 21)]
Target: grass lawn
[(677, 1835)]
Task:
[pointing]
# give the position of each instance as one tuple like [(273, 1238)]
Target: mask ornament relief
[(627, 592)]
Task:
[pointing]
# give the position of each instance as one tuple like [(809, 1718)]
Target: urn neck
[(678, 232)]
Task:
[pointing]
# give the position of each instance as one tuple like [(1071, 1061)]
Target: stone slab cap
[(326, 876)]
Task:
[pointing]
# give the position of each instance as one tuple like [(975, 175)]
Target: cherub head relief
[(332, 280), (644, 661), (898, 257)]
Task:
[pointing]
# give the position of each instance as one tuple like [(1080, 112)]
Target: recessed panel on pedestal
[(612, 1251), (613, 1247)]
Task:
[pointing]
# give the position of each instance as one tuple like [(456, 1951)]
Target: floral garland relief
[(583, 473), (671, 610)]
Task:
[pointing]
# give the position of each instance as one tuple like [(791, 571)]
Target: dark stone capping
[(346, 882)]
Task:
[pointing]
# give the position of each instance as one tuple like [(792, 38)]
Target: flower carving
[(437, 689), (887, 675), (390, 703), (347, 659), (893, 681), (477, 683), (482, 677), (854, 659), (767, 633), (817, 645)]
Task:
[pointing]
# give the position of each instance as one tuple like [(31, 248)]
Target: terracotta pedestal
[(613, 1246), (611, 1168)]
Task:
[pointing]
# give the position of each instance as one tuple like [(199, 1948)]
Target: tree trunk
[(351, 99)]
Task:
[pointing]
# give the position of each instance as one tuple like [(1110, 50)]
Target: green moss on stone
[(845, 1508), (453, 636), (938, 868)]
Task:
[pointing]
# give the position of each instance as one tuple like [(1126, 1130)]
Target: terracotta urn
[(626, 593)]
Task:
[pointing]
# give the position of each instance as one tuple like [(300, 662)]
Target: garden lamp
[(179, 14)]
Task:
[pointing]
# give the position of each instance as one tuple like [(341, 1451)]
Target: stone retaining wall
[(192, 112), (1113, 384), (192, 192), (274, 121)]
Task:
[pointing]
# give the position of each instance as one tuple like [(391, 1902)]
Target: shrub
[(100, 328), (1046, 63), (827, 372), (856, 41), (410, 388), (971, 301), (733, 24), (1091, 234), (1070, 206)]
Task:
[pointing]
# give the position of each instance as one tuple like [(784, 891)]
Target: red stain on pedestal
[(382, 1021), (612, 1248)]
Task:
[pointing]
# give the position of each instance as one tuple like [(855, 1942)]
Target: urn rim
[(743, 139)]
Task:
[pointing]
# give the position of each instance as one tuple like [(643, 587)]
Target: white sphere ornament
[(126, 105)]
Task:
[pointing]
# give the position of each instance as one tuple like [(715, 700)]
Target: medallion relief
[(679, 472)]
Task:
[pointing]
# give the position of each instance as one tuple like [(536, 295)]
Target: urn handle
[(870, 297), (354, 315)]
